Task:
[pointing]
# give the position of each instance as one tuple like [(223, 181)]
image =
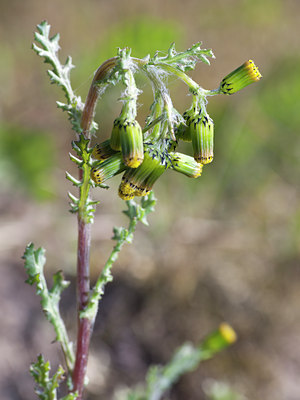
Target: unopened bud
[(182, 131), (139, 181), (202, 133), (127, 136), (102, 151), (218, 340), (240, 78), (108, 168), (186, 165)]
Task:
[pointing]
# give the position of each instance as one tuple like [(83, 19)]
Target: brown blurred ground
[(224, 247)]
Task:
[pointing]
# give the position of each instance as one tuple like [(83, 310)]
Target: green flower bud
[(202, 133), (186, 165), (139, 181), (182, 131), (102, 151), (219, 340), (108, 168), (115, 138), (240, 78), (127, 136)]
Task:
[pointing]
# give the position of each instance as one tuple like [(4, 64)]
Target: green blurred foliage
[(143, 35), (220, 391), (27, 161), (280, 104), (257, 13)]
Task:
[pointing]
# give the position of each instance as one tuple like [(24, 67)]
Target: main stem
[(83, 288), (85, 325)]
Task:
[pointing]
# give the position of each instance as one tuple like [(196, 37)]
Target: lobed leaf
[(185, 60), (34, 265)]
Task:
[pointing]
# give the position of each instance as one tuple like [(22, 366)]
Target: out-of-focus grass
[(143, 35), (27, 161)]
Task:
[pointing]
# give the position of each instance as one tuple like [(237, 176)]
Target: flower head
[(127, 136), (240, 78), (182, 131), (202, 134), (185, 165), (103, 150), (108, 168), (139, 181)]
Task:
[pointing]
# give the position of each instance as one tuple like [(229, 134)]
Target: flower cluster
[(144, 154)]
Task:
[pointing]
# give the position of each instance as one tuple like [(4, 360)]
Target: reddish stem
[(92, 97), (85, 325)]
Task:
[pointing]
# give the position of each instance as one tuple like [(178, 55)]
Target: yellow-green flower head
[(139, 181), (185, 165), (219, 340), (202, 134), (227, 333), (102, 151), (240, 78), (108, 168), (127, 136)]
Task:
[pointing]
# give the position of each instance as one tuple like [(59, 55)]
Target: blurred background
[(224, 247)]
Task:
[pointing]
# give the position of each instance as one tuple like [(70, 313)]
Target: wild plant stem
[(93, 94), (85, 325), (83, 287)]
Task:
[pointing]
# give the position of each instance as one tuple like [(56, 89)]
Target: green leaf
[(59, 284), (120, 233), (70, 396), (185, 60), (132, 211), (76, 160), (220, 391), (46, 386), (34, 265), (72, 179), (60, 73), (149, 202)]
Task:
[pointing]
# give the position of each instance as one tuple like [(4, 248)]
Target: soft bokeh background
[(223, 247)]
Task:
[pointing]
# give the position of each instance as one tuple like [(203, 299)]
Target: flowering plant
[(142, 154)]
